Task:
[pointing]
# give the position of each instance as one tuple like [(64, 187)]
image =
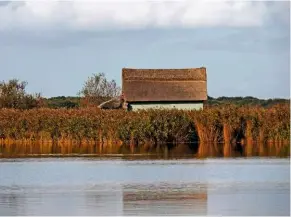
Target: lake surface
[(122, 186)]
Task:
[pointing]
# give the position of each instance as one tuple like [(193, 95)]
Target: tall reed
[(218, 129)]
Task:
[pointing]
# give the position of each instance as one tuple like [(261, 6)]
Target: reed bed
[(217, 130)]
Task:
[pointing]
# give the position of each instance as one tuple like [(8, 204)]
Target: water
[(118, 186)]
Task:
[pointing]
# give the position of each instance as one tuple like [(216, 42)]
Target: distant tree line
[(75, 102), (243, 101), (96, 90)]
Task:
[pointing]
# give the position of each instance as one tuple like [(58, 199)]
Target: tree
[(98, 89), (13, 95)]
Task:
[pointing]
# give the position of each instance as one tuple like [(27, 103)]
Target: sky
[(55, 45)]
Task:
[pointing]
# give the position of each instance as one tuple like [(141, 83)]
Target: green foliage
[(245, 101), (62, 102)]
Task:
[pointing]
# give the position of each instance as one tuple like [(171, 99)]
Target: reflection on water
[(182, 150), (107, 186), (114, 200), (165, 199)]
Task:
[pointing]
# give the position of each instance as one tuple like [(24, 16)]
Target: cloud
[(138, 14)]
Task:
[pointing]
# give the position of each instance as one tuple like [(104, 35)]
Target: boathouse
[(164, 88)]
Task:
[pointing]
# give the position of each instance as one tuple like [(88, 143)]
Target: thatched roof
[(140, 85)]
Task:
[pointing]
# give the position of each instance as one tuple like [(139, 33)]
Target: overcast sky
[(55, 46)]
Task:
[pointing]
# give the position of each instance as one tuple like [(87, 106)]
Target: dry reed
[(218, 129)]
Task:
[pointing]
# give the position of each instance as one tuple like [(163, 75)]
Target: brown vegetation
[(220, 130)]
